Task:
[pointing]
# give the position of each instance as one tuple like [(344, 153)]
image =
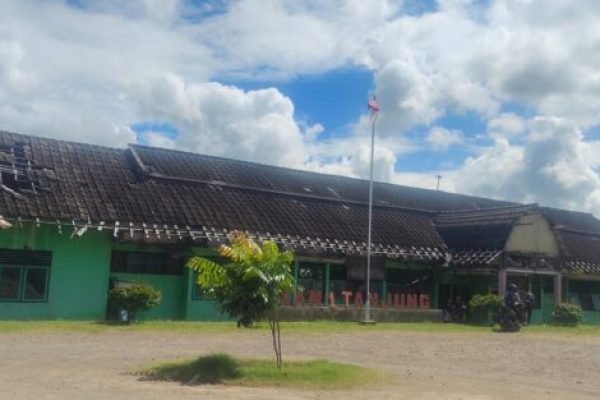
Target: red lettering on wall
[(412, 301), (396, 300), (347, 294), (299, 298), (374, 299), (389, 301), (315, 296), (424, 301), (358, 299), (332, 299)]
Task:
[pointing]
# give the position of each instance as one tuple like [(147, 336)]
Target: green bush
[(482, 308), (567, 314), (134, 297), (485, 301)]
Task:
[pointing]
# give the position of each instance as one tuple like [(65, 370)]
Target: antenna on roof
[(439, 178)]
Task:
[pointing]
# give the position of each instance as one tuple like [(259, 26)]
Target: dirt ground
[(467, 366)]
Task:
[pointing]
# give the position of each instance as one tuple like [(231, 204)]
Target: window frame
[(26, 269), (16, 299), (21, 286), (123, 258)]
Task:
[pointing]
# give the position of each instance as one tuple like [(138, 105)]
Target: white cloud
[(158, 139), (223, 120), (441, 138), (506, 124), (552, 168), (88, 73), (358, 164)]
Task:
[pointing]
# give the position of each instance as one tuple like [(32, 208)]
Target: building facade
[(79, 218)]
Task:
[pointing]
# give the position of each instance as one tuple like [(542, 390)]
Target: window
[(408, 281), (338, 282), (311, 278), (146, 263), (24, 275), (10, 282), (586, 294)]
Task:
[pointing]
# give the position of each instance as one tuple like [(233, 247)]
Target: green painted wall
[(80, 272), (78, 277), (172, 288), (591, 317), (204, 309)]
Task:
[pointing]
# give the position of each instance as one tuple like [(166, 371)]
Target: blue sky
[(495, 95)]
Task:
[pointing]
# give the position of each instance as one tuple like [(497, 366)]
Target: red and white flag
[(373, 106)]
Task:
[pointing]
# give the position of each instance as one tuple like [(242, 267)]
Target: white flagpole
[(367, 317)]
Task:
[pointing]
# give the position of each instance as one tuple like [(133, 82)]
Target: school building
[(76, 216)]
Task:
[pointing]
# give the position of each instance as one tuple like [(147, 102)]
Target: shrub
[(485, 301), (482, 308), (134, 297), (567, 314)]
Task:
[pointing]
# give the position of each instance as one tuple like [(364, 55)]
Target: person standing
[(529, 304)]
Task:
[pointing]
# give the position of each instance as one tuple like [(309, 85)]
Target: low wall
[(313, 313)]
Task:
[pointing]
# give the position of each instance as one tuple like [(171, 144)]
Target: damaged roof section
[(480, 229), (578, 235), (129, 193), (155, 195), (184, 166)]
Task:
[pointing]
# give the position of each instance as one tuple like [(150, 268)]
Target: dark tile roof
[(578, 236), (71, 181), (481, 230), (160, 195), (580, 250), (573, 220), (496, 215), (183, 165)]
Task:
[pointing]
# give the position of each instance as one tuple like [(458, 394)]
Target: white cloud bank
[(88, 73)]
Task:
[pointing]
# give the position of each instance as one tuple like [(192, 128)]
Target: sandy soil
[(467, 366)]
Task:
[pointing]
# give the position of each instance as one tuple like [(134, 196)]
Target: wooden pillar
[(557, 289), (501, 282)]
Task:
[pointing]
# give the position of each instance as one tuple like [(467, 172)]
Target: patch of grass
[(305, 328), (103, 327), (214, 368), (224, 369), (563, 330)]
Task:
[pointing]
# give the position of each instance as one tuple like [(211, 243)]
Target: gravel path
[(467, 366)]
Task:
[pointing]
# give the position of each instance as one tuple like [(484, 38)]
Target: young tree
[(250, 286)]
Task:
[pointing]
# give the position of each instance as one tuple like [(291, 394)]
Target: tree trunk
[(276, 334), (280, 364)]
